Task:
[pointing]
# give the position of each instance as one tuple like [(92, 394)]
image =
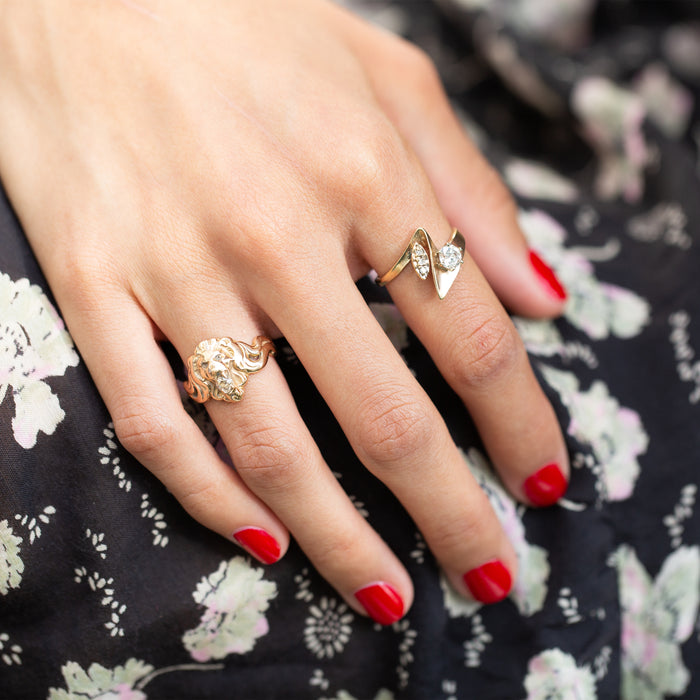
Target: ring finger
[(277, 459)]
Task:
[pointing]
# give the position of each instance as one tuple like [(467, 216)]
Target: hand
[(196, 170)]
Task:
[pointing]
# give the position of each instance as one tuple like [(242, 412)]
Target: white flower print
[(540, 337), (100, 683), (11, 564), (160, 539), (104, 587), (601, 663), (235, 596), (554, 675), (11, 654), (406, 657), (109, 456), (612, 119), (543, 338), (605, 309), (569, 606), (668, 104), (33, 524), (304, 583), (34, 345), (681, 46), (683, 510), (666, 222), (598, 309), (530, 588), (319, 679), (684, 353), (455, 604), (97, 541), (657, 616), (615, 433), (474, 647), (537, 181), (328, 628)]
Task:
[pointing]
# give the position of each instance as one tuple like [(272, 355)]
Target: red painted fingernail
[(545, 486), (490, 582), (382, 603), (260, 543), (547, 274)]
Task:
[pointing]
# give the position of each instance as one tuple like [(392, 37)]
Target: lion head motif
[(219, 367)]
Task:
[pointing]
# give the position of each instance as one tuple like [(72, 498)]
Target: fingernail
[(258, 542), (490, 582), (546, 274), (382, 603), (545, 486)]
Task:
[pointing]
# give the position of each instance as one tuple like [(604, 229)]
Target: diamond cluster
[(420, 261)]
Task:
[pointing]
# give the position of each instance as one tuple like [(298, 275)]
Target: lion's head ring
[(219, 367)]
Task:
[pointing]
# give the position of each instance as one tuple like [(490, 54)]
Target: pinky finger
[(152, 424)]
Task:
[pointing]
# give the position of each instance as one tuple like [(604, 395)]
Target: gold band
[(219, 367), (443, 264)]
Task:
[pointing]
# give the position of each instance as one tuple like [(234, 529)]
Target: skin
[(195, 170)]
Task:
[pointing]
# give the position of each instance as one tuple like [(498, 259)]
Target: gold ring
[(219, 367), (443, 264)]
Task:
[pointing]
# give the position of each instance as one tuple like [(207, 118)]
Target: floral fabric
[(108, 590)]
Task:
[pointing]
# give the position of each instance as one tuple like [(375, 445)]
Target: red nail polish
[(547, 274), (382, 603), (490, 582), (545, 486), (261, 544)]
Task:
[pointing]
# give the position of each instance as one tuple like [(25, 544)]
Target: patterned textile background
[(108, 590)]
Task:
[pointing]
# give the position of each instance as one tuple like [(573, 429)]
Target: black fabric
[(96, 596)]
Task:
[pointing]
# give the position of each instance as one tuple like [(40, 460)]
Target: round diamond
[(449, 257), (420, 261)]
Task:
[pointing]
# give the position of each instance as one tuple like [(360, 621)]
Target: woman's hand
[(196, 170)]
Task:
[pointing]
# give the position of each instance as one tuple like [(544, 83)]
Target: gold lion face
[(213, 372), (220, 367), (218, 370)]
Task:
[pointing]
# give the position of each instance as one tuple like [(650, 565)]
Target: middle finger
[(394, 428)]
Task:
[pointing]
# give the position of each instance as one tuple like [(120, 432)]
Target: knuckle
[(263, 240), (394, 429), (270, 459), (372, 163), (83, 275), (489, 353), (143, 428)]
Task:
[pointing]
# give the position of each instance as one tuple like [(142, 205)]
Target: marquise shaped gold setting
[(443, 264)]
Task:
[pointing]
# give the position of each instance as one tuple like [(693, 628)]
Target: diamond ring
[(219, 367), (443, 264)]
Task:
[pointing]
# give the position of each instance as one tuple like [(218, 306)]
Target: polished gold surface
[(443, 264), (219, 367)]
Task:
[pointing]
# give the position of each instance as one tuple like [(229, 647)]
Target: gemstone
[(224, 383), (420, 261), (449, 257)]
